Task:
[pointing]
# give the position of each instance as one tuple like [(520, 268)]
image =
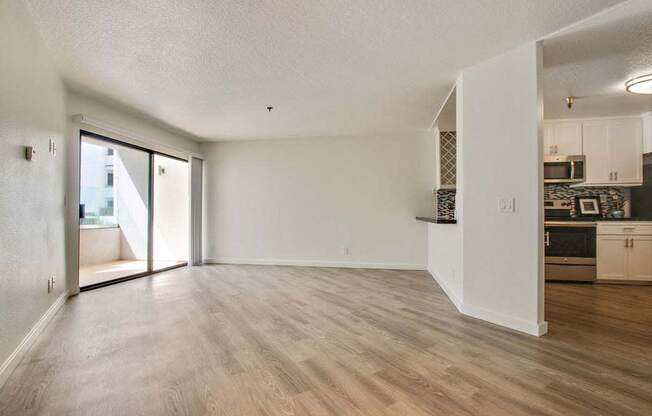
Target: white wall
[(159, 138), (131, 184), (114, 122), (445, 259), (32, 111), (99, 245), (304, 201), (499, 142), (171, 210)]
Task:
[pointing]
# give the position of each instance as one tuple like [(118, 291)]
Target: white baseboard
[(14, 359), (318, 263), (531, 328), (447, 290)]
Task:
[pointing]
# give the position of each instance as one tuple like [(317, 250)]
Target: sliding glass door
[(171, 216), (133, 212)]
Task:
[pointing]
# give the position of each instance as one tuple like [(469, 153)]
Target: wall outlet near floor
[(507, 205)]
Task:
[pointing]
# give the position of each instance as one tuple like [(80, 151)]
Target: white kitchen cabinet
[(612, 257), (562, 138), (626, 150), (624, 251), (614, 151), (596, 145), (640, 258)]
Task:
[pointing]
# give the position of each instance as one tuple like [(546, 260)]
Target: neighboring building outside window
[(97, 192)]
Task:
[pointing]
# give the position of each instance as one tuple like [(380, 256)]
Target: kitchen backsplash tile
[(612, 197), (444, 200)]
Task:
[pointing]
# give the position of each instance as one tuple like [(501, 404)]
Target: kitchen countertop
[(598, 219), (435, 220)]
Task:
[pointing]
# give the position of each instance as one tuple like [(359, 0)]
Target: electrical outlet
[(346, 251)]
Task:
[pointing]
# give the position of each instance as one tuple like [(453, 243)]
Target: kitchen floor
[(271, 340)]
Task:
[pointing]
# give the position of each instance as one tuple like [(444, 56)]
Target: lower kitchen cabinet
[(625, 254), (612, 257), (640, 258)]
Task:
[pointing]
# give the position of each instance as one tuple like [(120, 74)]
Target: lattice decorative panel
[(447, 163)]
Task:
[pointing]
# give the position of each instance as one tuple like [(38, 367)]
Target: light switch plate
[(507, 205)]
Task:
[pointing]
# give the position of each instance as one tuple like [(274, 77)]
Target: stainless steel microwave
[(564, 169)]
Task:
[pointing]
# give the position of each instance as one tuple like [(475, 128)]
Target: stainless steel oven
[(563, 169), (570, 250), (570, 245)]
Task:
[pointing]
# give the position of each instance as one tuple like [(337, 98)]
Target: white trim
[(437, 158), (134, 138), (318, 263), (17, 355), (196, 186), (453, 298), (528, 327), (531, 328)]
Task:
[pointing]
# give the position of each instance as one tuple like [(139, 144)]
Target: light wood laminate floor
[(265, 340), (99, 273)]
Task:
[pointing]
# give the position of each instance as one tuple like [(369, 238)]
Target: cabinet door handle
[(627, 243), (615, 175), (631, 242), (611, 176), (546, 238)]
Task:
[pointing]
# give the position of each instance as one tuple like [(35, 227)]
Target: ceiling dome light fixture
[(640, 85)]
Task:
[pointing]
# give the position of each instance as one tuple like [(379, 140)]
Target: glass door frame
[(150, 211)]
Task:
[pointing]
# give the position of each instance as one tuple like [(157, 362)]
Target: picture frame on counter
[(588, 206)]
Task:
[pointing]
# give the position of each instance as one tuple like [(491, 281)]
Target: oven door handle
[(572, 171)]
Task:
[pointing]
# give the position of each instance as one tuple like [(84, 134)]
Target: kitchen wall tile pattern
[(612, 197), (445, 203)]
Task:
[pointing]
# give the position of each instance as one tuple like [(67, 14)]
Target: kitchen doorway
[(133, 211)]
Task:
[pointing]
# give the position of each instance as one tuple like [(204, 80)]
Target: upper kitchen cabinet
[(613, 150), (562, 138)]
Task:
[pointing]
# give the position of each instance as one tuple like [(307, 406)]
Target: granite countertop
[(436, 220)]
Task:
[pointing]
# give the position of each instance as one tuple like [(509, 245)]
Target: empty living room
[(263, 208)]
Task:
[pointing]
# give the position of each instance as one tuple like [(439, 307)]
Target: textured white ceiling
[(328, 67), (593, 60)]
